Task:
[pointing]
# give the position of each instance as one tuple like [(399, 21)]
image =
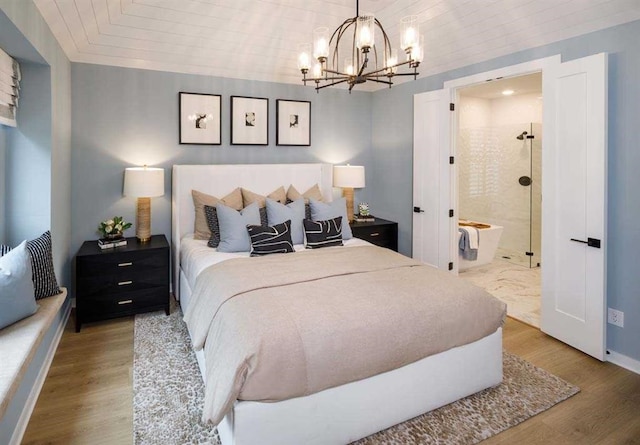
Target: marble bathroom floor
[(516, 285)]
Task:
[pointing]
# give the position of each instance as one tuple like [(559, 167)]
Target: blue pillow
[(17, 297), (233, 227), (323, 211), (278, 213)]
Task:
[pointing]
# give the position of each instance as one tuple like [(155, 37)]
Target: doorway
[(574, 210), (499, 158)]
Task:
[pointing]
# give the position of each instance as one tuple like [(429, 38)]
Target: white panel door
[(574, 203), (431, 178)]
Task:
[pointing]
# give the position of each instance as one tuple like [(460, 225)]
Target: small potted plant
[(113, 229)]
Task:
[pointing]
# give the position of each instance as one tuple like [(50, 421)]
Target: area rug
[(169, 392)]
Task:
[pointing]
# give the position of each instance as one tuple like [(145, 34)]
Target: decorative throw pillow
[(211, 213), (321, 211), (4, 250), (294, 212), (17, 299), (313, 193), (249, 197), (323, 233), (233, 227), (45, 283), (273, 239), (200, 228), (307, 209)]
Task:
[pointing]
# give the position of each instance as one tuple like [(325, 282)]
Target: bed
[(342, 413)]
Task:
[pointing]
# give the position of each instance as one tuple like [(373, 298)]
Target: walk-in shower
[(499, 182)]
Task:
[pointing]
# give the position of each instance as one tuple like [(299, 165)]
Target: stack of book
[(363, 218), (105, 243)]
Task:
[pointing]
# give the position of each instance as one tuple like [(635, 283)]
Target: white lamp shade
[(348, 176), (143, 182)]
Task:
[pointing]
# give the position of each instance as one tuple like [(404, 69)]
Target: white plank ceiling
[(258, 39)]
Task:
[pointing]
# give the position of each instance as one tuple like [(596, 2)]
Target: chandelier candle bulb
[(304, 59), (409, 32), (348, 67), (321, 44), (392, 61), (417, 52), (366, 36)]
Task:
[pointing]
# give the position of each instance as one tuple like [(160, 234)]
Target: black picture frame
[(249, 120), (293, 127), (200, 118)]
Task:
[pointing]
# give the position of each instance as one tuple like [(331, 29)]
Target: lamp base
[(347, 192), (143, 220)]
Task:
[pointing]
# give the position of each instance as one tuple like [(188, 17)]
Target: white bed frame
[(349, 412)]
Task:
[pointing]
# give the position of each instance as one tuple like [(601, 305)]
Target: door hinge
[(450, 266), (451, 160), (452, 107), (450, 213), (528, 253)]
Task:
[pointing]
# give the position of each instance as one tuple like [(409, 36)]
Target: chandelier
[(355, 40)]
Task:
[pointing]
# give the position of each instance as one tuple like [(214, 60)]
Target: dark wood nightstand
[(121, 281), (380, 232)]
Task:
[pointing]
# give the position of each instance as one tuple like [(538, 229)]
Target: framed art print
[(293, 122), (249, 120), (200, 119)]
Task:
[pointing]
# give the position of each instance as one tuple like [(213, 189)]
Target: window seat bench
[(27, 348)]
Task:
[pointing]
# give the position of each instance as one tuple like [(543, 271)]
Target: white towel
[(474, 238)]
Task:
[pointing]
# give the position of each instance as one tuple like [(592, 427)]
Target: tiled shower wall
[(490, 162)]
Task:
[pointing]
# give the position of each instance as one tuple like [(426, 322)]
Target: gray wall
[(25, 35), (127, 117), (28, 160), (392, 152)]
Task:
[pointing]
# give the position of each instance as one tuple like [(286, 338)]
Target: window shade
[(9, 89)]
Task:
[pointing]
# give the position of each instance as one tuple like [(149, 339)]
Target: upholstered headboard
[(219, 180)]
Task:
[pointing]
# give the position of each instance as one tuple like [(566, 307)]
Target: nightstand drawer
[(113, 305), (380, 232), (125, 263), (123, 282)]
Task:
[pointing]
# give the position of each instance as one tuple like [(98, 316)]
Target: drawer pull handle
[(375, 234), (124, 283), (125, 302), (124, 264)]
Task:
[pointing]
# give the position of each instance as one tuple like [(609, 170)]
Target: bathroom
[(499, 157)]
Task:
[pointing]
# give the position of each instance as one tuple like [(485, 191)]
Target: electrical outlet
[(615, 317)]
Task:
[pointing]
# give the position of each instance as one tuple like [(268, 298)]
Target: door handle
[(591, 242), (417, 210)]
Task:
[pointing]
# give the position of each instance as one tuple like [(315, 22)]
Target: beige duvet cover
[(290, 325)]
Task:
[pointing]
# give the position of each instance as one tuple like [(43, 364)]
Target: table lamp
[(348, 177), (143, 183)]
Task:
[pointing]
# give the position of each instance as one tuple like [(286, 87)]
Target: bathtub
[(488, 240)]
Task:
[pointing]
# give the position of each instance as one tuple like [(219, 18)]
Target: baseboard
[(30, 404), (623, 361)]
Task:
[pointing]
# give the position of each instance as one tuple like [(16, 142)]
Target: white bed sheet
[(196, 256)]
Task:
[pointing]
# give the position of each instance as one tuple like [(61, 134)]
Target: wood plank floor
[(87, 397)]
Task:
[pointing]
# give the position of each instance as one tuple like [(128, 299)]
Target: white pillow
[(321, 211), (17, 297)]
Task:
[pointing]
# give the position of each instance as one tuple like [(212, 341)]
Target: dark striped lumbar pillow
[(4, 250), (323, 233), (266, 240), (44, 276)]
